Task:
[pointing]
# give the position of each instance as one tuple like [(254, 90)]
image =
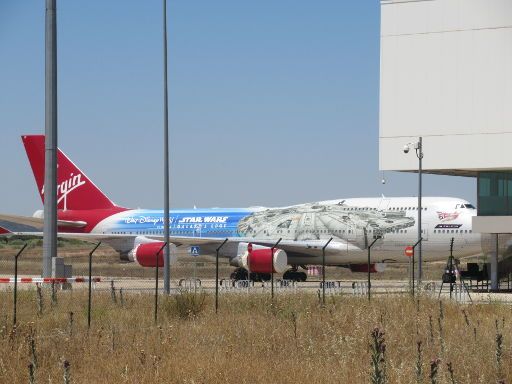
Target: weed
[(54, 294), (67, 372), (419, 363), (142, 357), (189, 304), (70, 324), (3, 329), (499, 349), (113, 292), (441, 336), (431, 329), (434, 367), (466, 319), (31, 341), (39, 293), (450, 371), (378, 350), (113, 339), (31, 374)]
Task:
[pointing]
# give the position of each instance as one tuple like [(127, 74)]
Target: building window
[(494, 193)]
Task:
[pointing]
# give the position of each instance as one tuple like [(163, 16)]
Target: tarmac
[(433, 289)]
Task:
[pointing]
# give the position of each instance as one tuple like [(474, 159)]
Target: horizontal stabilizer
[(29, 223), (4, 231)]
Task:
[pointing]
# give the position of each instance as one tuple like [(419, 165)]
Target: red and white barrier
[(49, 280)]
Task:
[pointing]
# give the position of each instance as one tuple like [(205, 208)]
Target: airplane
[(86, 213)]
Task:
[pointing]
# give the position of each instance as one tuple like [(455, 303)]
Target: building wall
[(446, 75)]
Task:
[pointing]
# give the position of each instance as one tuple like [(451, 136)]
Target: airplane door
[(424, 228)]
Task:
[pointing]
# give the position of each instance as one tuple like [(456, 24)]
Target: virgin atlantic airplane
[(86, 213)]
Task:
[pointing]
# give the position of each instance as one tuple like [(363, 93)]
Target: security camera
[(406, 148)]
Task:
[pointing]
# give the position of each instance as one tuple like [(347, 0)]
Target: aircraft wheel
[(239, 274), (295, 276), (259, 277)]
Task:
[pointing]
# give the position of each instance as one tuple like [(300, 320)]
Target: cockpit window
[(470, 206)]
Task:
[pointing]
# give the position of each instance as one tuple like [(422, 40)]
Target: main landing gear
[(292, 274), (241, 274)]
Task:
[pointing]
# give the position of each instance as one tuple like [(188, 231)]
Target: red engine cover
[(374, 268), (262, 260), (145, 254)]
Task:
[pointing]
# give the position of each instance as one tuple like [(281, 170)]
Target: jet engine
[(145, 254), (374, 268), (261, 259)]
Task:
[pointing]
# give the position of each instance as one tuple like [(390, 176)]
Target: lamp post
[(418, 147), (167, 257)]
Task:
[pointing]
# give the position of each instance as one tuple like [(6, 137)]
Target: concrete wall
[(446, 75)]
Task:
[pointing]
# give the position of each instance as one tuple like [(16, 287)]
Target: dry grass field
[(251, 340)]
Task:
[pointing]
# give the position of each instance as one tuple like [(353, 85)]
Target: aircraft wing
[(21, 223), (209, 244), (307, 247), (29, 223)]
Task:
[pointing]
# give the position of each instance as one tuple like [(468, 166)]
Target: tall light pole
[(418, 147), (167, 258), (50, 142)]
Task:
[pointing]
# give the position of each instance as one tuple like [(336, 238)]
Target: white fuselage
[(352, 223)]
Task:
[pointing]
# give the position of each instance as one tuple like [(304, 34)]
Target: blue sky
[(270, 102)]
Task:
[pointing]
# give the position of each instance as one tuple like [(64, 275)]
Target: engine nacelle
[(260, 259), (374, 268), (146, 254)]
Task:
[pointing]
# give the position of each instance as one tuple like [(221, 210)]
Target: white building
[(446, 76)]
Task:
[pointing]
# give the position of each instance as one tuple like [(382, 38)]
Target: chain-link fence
[(118, 280)]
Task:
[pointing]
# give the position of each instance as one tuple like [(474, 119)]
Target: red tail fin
[(74, 189)]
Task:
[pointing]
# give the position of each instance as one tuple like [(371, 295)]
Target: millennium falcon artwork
[(314, 221)]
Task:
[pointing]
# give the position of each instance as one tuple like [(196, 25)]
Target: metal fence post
[(156, 280), (419, 265), (16, 282), (217, 275), (368, 266), (323, 271), (90, 285), (272, 267)]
